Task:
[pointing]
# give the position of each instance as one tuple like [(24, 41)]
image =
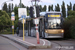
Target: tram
[(50, 25)]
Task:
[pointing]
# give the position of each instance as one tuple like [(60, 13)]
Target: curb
[(27, 45)]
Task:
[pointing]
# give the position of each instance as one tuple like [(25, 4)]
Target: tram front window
[(53, 23)]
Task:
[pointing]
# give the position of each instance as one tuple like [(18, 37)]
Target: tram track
[(57, 44)]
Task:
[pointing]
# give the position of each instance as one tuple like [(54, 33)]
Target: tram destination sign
[(54, 15)]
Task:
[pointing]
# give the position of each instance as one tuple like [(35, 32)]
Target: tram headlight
[(62, 31), (46, 31)]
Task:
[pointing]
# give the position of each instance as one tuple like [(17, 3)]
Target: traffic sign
[(23, 16), (22, 11), (36, 21)]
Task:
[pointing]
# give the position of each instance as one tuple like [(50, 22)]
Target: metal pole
[(35, 3), (13, 29), (37, 34), (20, 4), (23, 30), (29, 29)]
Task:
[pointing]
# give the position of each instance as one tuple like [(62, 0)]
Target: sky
[(42, 2)]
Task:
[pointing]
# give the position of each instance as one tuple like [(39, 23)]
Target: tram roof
[(43, 13)]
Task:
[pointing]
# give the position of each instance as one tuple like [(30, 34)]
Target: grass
[(5, 32)]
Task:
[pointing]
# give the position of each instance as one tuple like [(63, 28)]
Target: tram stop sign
[(12, 16)]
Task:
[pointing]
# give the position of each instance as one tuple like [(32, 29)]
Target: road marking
[(26, 42), (43, 41), (49, 43)]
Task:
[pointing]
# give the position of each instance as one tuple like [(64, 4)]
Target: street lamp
[(5, 2)]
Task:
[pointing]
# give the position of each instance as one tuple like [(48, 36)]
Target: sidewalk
[(30, 42)]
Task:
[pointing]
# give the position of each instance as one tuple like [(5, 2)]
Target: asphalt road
[(64, 44), (6, 44)]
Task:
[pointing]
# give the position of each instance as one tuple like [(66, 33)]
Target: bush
[(72, 32), (6, 32), (69, 25)]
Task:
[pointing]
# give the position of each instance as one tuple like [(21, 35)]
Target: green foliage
[(44, 8), (74, 7), (49, 8), (5, 32), (57, 8), (4, 20), (9, 9), (16, 21), (27, 11), (5, 7), (12, 6), (63, 10), (16, 10), (70, 6), (71, 13), (69, 25), (23, 6), (40, 8), (72, 31)]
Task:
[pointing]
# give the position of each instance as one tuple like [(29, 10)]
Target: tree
[(27, 11), (4, 20), (12, 6), (57, 8), (44, 8), (9, 9), (74, 7), (5, 7), (16, 5), (49, 8), (40, 8), (63, 10), (70, 6), (16, 10), (16, 21), (69, 25), (16, 16), (23, 6)]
